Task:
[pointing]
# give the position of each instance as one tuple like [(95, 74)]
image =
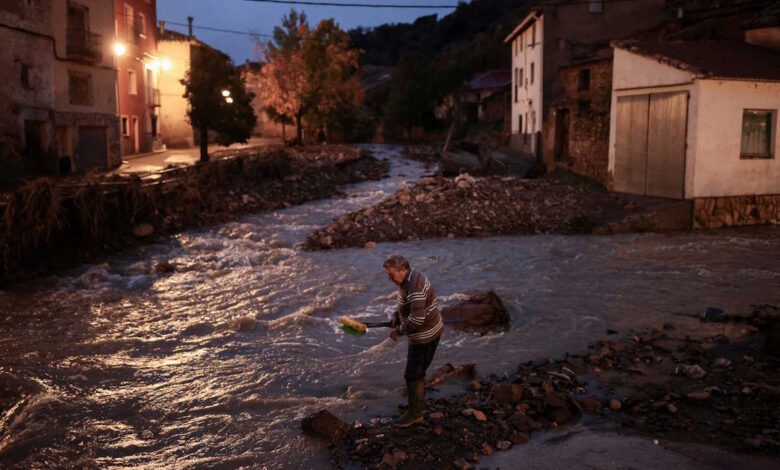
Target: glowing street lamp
[(119, 49), (226, 93), (165, 64), (229, 100)]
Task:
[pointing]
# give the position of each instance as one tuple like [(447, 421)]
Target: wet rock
[(435, 416), (524, 423), (324, 425), (503, 445), (143, 230), (694, 371), (615, 404), (722, 362), (163, 267), (369, 245), (507, 394), (448, 371), (487, 449), (671, 408), (461, 464), (519, 438), (480, 312), (561, 415), (592, 405), (699, 396), (475, 385)]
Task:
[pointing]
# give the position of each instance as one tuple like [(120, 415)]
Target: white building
[(526, 99), (695, 119)]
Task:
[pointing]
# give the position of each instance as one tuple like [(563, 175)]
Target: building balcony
[(152, 97), (84, 46)]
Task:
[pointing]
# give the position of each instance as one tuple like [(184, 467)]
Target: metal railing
[(152, 97), (84, 45)]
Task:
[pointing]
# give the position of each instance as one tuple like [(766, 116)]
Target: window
[(522, 80), (25, 77), (142, 24), (79, 88), (533, 121), (520, 123), (520, 41), (594, 6), (583, 82), (132, 82), (757, 133), (532, 73), (533, 35), (583, 106), (129, 23), (526, 123), (125, 126), (517, 82)]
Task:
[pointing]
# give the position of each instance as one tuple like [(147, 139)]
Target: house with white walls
[(698, 120), (526, 91)]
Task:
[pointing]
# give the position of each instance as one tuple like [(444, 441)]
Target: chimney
[(189, 22), (162, 26)]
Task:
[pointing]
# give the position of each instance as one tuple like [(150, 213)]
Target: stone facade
[(40, 122), (576, 131), (733, 211)]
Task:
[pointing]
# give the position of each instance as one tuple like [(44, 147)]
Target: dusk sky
[(245, 15)]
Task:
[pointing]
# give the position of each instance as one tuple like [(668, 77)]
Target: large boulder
[(481, 312), (324, 425)]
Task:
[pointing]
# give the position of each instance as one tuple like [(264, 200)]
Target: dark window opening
[(25, 77), (80, 88), (583, 106), (583, 83)]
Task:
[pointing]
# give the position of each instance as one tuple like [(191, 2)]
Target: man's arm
[(417, 314)]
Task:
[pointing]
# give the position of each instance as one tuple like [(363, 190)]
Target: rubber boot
[(416, 411)]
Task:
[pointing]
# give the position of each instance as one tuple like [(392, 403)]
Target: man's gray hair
[(396, 262)]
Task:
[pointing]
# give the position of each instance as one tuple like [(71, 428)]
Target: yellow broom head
[(350, 323)]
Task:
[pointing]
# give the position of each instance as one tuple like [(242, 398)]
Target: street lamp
[(165, 64), (229, 100), (226, 93), (119, 49)]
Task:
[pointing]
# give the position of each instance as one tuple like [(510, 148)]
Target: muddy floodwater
[(215, 364)]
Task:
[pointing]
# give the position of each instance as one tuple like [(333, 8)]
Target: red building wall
[(136, 31)]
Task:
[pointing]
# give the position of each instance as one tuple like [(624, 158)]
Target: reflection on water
[(216, 364)]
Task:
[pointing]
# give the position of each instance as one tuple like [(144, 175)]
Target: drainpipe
[(189, 23)]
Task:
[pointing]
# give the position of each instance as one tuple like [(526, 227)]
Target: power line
[(219, 30), (352, 5)]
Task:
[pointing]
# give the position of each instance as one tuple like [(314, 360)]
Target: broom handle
[(387, 324)]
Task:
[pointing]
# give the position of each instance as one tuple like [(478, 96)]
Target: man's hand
[(396, 320), (393, 335)]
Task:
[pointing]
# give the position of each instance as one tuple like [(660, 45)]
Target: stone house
[(59, 92), (580, 119), (138, 67), (554, 36), (484, 99), (176, 49), (698, 121)]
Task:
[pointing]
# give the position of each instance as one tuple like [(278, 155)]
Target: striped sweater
[(418, 309)]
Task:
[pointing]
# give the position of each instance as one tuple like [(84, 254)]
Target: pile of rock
[(722, 388), (466, 206)]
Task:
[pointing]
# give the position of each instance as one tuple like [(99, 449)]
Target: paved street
[(157, 161)]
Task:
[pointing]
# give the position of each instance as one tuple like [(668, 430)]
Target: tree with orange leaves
[(309, 74)]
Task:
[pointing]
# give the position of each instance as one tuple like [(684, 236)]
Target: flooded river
[(216, 364)]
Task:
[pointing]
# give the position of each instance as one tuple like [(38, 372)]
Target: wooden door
[(666, 135), (631, 144)]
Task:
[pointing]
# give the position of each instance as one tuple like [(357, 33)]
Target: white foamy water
[(215, 364)]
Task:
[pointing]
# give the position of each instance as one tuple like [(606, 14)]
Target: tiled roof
[(712, 59), (768, 18)]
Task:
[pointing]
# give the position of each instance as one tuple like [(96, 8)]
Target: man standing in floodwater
[(418, 318)]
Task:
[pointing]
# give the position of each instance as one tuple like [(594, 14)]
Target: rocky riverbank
[(466, 206), (714, 382), (48, 226)]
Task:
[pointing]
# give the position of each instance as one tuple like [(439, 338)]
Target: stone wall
[(717, 212), (581, 144)]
